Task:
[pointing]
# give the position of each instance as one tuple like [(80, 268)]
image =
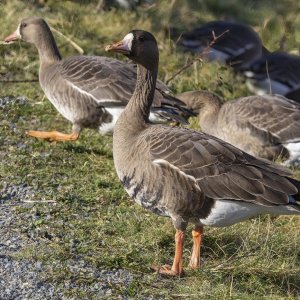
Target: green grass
[(92, 218)]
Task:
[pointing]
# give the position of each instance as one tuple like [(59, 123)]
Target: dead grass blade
[(199, 57)]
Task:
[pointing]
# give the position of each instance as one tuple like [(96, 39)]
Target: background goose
[(264, 126), (89, 91), (125, 4), (238, 47), (277, 73), (187, 175)]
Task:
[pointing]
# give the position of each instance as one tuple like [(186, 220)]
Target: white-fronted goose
[(274, 73), (89, 91), (264, 126), (238, 44), (187, 175)]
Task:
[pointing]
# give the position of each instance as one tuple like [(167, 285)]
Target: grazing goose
[(238, 44), (89, 91), (264, 126), (274, 73), (186, 175)]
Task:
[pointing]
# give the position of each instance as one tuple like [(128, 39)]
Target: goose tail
[(178, 105), (294, 200)]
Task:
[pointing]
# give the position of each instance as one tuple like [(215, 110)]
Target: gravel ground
[(9, 100), (19, 279), (25, 279)]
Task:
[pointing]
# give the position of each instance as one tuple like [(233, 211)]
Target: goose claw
[(53, 136), (167, 270)]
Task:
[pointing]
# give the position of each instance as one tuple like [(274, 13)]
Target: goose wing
[(109, 81), (274, 118), (277, 66), (221, 170), (236, 40)]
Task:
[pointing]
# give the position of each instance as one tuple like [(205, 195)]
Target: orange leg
[(197, 238), (176, 269), (53, 135)]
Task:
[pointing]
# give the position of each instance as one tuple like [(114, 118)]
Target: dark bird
[(275, 73), (186, 175), (89, 91), (236, 44)]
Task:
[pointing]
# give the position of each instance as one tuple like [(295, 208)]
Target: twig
[(233, 257), (186, 296), (100, 5), (268, 75), (76, 46), (39, 201), (198, 57)]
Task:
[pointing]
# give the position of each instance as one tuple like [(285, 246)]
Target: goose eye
[(23, 25), (141, 38)]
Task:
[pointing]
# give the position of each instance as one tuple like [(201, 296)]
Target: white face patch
[(18, 33), (128, 40)]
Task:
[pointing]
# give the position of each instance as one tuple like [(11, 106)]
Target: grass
[(92, 218)]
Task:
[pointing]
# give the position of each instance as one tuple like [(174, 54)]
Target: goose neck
[(142, 98), (208, 114), (47, 48)]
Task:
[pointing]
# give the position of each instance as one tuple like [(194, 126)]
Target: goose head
[(200, 101), (29, 30), (139, 46)]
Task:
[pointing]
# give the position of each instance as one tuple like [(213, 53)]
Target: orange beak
[(119, 47), (12, 37)]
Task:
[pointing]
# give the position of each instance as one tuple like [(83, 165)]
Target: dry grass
[(93, 218)]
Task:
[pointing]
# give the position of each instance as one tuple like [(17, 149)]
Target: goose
[(237, 44), (265, 126), (187, 175), (89, 91), (274, 73), (124, 4)]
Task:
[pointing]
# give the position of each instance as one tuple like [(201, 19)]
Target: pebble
[(26, 279), (22, 279), (10, 100)]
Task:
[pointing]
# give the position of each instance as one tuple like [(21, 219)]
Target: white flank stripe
[(229, 212), (108, 128), (80, 90), (105, 101), (163, 162)]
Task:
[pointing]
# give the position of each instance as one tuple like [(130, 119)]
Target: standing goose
[(238, 44), (264, 126), (276, 72), (187, 175), (89, 91)]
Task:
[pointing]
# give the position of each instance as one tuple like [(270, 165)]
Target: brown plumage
[(187, 175), (89, 91), (264, 126)]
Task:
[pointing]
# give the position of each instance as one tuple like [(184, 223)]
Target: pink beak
[(119, 47), (12, 37)]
